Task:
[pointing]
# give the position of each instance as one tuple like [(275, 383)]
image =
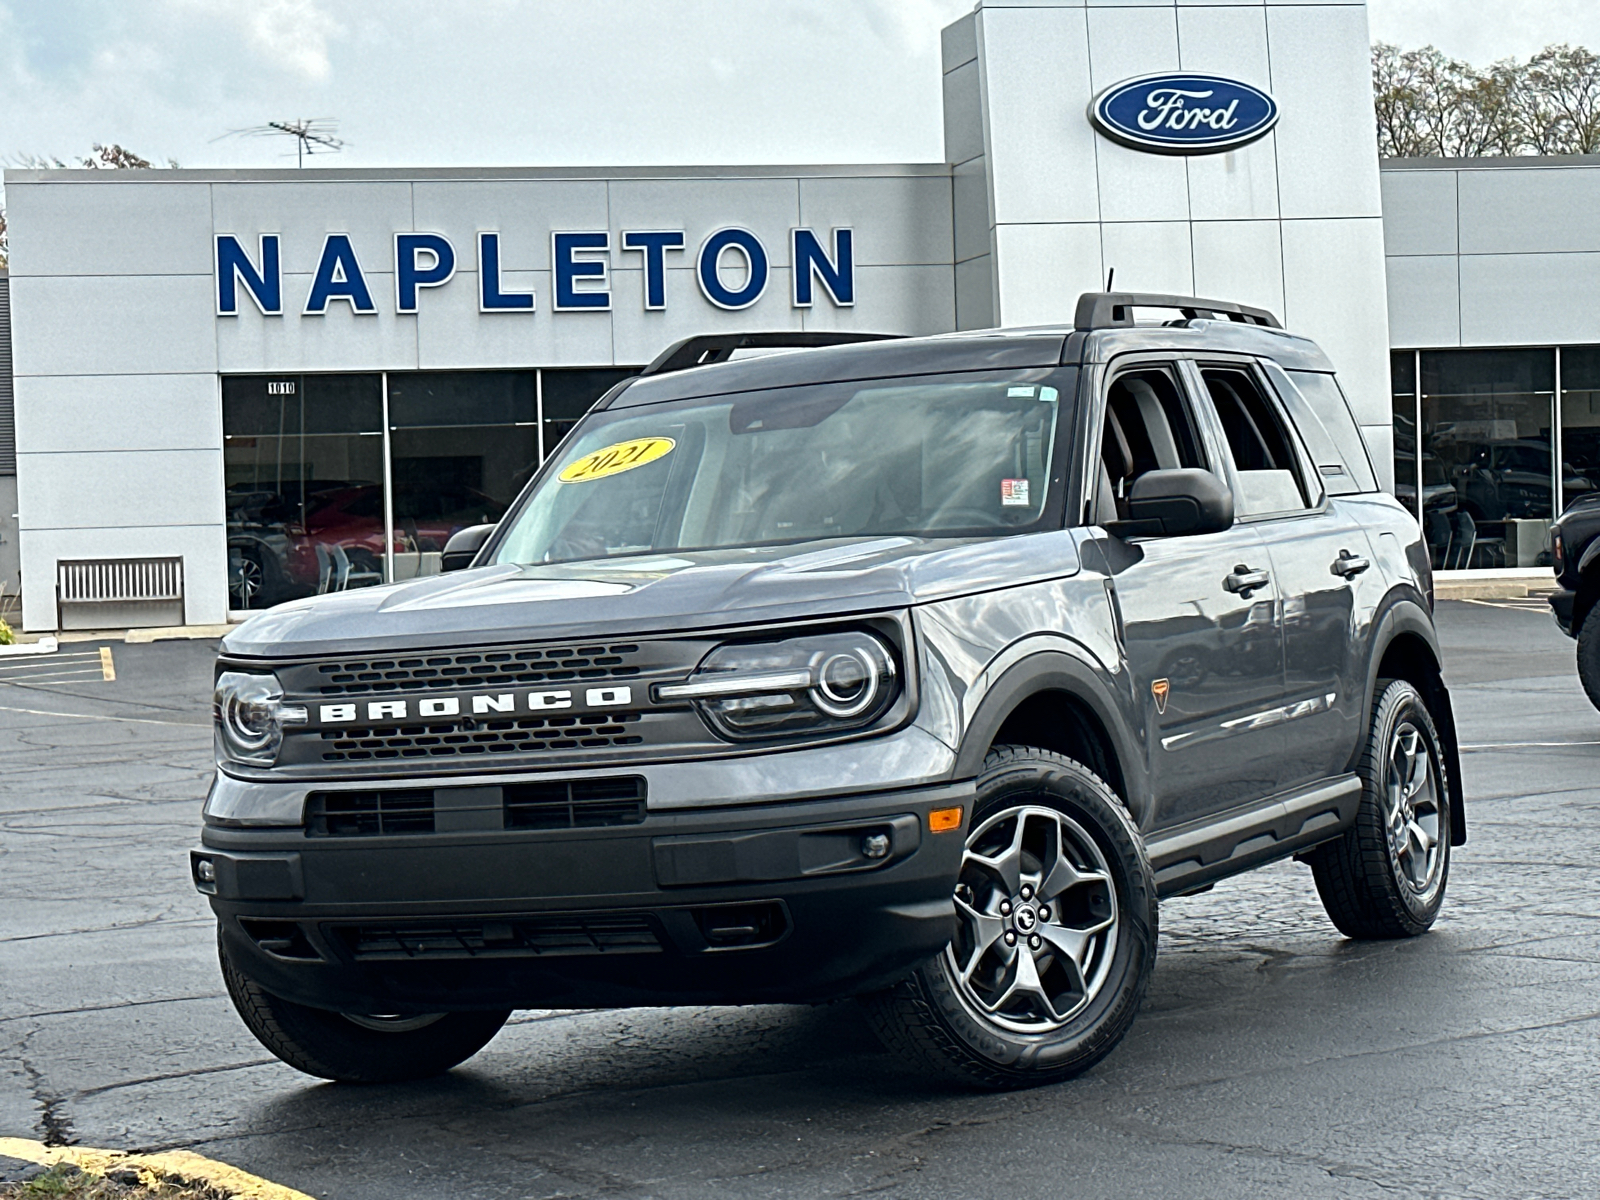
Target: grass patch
[(66, 1182)]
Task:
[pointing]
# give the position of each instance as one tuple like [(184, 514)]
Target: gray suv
[(916, 670)]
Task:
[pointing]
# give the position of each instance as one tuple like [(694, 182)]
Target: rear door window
[(1271, 475), (1326, 401)]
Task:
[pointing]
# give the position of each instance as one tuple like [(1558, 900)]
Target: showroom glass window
[(462, 444), (1403, 375), (567, 395), (321, 470), (1487, 455), (1580, 421), (303, 468)]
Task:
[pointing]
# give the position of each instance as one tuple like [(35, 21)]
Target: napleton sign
[(580, 270)]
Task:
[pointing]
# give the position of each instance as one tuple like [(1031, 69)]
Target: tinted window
[(907, 457), (1263, 450), (1328, 404)]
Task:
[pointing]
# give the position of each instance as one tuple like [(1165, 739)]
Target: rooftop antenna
[(1110, 275), (312, 135)]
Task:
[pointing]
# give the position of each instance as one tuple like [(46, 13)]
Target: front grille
[(369, 814), (572, 804), (474, 735), (555, 935), (577, 804), (477, 668), (418, 742)]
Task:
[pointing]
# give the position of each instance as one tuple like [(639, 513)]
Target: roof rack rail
[(1110, 310), (706, 348)]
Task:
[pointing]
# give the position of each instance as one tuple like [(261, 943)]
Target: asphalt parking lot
[(1272, 1057)]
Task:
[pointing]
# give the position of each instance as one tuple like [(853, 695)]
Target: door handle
[(1349, 565), (1245, 580)]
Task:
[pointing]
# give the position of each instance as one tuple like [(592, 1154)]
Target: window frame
[(1310, 479), (1203, 420)]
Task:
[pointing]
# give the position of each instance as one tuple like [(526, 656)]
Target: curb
[(1492, 585)]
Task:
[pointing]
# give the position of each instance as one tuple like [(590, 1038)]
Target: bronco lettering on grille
[(497, 702)]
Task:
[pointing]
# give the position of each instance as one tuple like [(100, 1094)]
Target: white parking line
[(39, 712), (1524, 745)]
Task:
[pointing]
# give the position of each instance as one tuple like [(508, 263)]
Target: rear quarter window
[(1323, 416)]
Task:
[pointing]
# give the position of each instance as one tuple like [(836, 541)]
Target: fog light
[(205, 870), (942, 820), (875, 845)]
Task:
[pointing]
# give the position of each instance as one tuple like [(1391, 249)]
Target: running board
[(1194, 856)]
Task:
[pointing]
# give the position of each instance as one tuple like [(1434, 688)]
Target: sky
[(549, 82)]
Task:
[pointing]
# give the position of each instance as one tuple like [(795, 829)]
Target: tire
[(358, 1049), (1589, 655), (1374, 885), (968, 1029)]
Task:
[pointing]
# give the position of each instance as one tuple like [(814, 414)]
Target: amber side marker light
[(942, 820)]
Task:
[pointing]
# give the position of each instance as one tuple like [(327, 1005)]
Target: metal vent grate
[(8, 428), (120, 580), (369, 814), (575, 804)]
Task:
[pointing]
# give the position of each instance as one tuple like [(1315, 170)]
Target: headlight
[(829, 683), (250, 716)]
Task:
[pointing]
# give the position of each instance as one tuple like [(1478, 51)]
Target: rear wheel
[(358, 1047), (1385, 878), (1589, 655), (1055, 938)]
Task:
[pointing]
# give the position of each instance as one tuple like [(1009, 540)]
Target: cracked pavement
[(1272, 1056)]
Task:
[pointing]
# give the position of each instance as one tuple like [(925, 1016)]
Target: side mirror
[(1174, 503), (463, 547)]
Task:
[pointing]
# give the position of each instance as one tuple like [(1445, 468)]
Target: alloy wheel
[(1037, 920), (1413, 814), (248, 579)]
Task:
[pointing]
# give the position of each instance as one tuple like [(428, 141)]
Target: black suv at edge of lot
[(916, 670), (1575, 545)]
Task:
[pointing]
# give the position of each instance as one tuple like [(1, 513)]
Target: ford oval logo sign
[(1182, 113)]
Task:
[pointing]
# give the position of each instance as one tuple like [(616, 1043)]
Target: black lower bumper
[(1561, 603), (769, 903)]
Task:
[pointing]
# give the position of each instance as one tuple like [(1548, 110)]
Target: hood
[(673, 592)]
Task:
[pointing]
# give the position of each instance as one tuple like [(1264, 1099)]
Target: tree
[(1431, 106), (107, 158)]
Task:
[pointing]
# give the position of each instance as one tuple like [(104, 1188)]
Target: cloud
[(1481, 32), (290, 35)]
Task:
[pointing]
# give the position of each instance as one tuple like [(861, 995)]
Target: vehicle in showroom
[(917, 670), (1575, 548)]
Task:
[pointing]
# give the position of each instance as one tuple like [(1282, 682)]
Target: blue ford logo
[(1183, 113)]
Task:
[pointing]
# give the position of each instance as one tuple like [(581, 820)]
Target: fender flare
[(1591, 555), (1406, 615), (1055, 671)]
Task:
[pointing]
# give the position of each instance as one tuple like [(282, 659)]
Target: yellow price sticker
[(617, 458)]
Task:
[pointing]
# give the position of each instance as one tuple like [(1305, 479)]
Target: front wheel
[(1056, 925), (1385, 877), (358, 1047), (1589, 655)]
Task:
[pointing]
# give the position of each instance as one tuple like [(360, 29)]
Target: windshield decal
[(617, 458)]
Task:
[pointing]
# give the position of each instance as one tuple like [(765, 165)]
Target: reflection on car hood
[(691, 590)]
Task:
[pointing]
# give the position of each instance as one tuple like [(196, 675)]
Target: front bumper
[(768, 903), (1561, 603)]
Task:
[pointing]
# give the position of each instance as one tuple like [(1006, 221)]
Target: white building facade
[(235, 387)]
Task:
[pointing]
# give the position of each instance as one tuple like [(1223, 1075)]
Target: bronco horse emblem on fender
[(1161, 689)]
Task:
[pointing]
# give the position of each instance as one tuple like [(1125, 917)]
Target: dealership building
[(229, 388)]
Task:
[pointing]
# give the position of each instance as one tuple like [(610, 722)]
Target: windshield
[(922, 457)]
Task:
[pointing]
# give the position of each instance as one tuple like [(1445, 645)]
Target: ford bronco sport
[(915, 670)]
